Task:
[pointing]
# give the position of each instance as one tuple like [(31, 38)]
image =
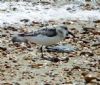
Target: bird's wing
[(26, 34), (47, 32)]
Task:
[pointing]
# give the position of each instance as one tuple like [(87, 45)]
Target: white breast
[(44, 40)]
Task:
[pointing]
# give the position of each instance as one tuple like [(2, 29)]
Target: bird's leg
[(41, 49), (46, 47)]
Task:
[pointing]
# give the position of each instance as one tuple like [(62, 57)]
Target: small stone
[(14, 61), (4, 35), (14, 9), (23, 44), (96, 44), (87, 30), (24, 20), (94, 81), (65, 59), (16, 83), (68, 22), (96, 32), (7, 66), (89, 77), (55, 59), (76, 67), (17, 44), (71, 55), (36, 65), (3, 48), (4, 53), (10, 28), (97, 21), (87, 53), (47, 84), (34, 22), (6, 84)]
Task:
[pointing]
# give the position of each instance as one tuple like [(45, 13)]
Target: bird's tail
[(19, 38)]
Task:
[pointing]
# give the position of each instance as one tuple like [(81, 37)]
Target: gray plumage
[(48, 32), (45, 36)]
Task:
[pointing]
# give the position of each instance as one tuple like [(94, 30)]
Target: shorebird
[(45, 36)]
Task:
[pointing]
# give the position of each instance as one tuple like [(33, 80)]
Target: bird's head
[(63, 31)]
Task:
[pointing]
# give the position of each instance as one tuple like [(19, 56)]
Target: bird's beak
[(70, 33)]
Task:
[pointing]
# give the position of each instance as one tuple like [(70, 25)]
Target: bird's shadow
[(58, 49)]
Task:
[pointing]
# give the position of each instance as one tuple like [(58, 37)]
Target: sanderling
[(45, 36)]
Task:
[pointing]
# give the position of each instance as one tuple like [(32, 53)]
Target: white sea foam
[(44, 13)]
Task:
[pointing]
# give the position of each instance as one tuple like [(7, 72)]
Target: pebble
[(96, 21), (89, 77), (3, 48)]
